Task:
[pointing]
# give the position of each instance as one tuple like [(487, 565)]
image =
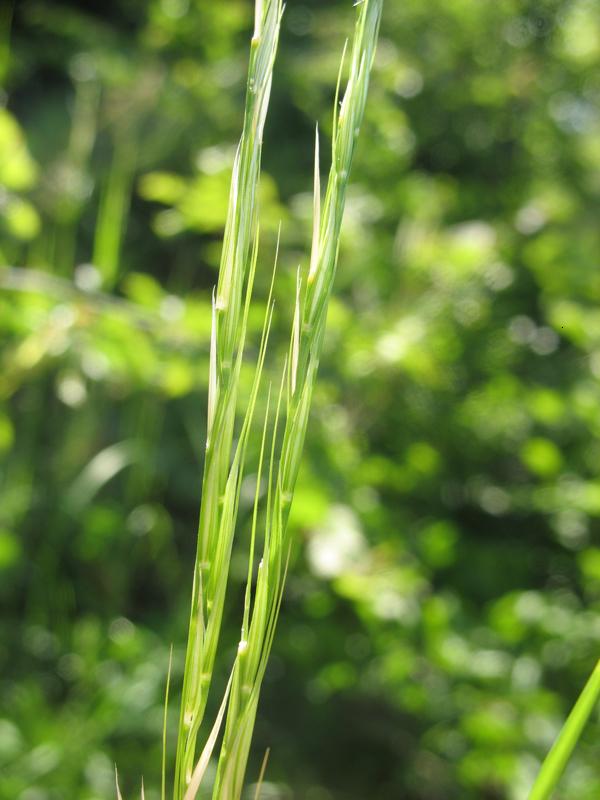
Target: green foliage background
[(443, 608)]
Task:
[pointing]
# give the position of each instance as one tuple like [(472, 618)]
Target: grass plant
[(283, 430), (222, 474), (282, 437)]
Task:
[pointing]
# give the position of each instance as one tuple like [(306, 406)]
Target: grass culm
[(284, 427)]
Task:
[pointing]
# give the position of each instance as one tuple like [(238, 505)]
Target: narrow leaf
[(295, 344), (163, 792), (204, 759), (261, 775), (212, 374), (119, 795), (557, 758), (314, 253)]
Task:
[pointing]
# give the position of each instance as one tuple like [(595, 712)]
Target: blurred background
[(443, 606)]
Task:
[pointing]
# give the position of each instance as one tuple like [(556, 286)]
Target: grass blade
[(261, 775), (119, 795), (198, 774), (163, 789), (561, 750), (314, 255)]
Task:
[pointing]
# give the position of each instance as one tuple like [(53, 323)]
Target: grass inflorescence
[(285, 423)]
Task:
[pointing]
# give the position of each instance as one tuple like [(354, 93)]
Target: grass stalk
[(291, 416), (222, 473), (281, 460)]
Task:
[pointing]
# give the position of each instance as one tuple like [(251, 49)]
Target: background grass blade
[(557, 758)]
